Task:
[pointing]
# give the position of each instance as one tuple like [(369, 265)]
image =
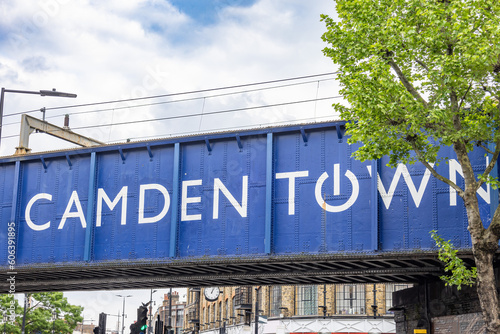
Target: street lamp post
[(150, 327), (123, 313), (54, 317), (169, 327), (4, 320), (52, 92), (23, 326)]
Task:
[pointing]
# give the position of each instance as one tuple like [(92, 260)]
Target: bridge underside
[(320, 269)]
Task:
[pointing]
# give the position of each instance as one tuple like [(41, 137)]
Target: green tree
[(48, 311), (418, 75), (10, 307)]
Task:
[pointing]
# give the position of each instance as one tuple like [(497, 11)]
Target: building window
[(179, 322), (275, 300), (220, 313), (307, 298), (389, 289), (233, 311), (260, 299), (350, 299), (227, 315)]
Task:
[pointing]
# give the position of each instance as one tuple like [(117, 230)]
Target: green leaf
[(459, 273)]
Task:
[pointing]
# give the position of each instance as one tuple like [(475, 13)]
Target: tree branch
[(463, 97), (492, 163), (421, 63), (438, 176), (496, 67), (494, 227), (486, 149), (454, 108), (409, 87)]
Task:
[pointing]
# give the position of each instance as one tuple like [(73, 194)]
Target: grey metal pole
[(123, 315), (257, 310), (24, 313), (374, 306), (150, 311), (170, 311), (150, 326), (52, 92), (53, 322)]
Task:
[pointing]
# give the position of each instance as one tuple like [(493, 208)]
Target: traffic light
[(142, 319), (102, 323), (96, 330), (134, 329), (159, 326)]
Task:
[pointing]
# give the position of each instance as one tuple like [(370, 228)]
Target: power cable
[(206, 113), (198, 114), (177, 94), (184, 100)]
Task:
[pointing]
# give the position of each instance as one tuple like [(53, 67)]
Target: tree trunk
[(487, 291), (484, 246)]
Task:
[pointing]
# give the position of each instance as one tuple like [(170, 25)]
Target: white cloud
[(111, 50), (126, 49)]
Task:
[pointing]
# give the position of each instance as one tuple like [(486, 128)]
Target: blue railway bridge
[(280, 205)]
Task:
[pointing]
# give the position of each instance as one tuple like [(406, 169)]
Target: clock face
[(212, 294)]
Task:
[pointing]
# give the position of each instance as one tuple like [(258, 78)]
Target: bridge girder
[(282, 270)]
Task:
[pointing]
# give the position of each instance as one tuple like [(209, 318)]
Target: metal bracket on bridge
[(240, 144), (69, 161), (304, 136), (209, 148), (29, 124), (44, 164), (339, 133), (150, 152), (122, 155)]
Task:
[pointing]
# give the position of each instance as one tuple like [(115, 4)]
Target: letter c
[(27, 213)]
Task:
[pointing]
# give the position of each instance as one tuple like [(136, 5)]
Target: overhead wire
[(204, 97), (189, 99), (177, 94), (204, 114)]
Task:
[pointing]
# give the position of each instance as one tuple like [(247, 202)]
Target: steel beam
[(30, 124)]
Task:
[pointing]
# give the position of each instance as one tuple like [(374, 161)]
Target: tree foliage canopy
[(48, 310), (417, 74)]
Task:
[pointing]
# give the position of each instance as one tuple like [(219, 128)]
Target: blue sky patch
[(206, 11)]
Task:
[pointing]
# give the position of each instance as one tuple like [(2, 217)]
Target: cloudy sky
[(116, 50)]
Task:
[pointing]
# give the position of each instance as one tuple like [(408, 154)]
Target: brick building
[(85, 328), (173, 317), (338, 308)]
